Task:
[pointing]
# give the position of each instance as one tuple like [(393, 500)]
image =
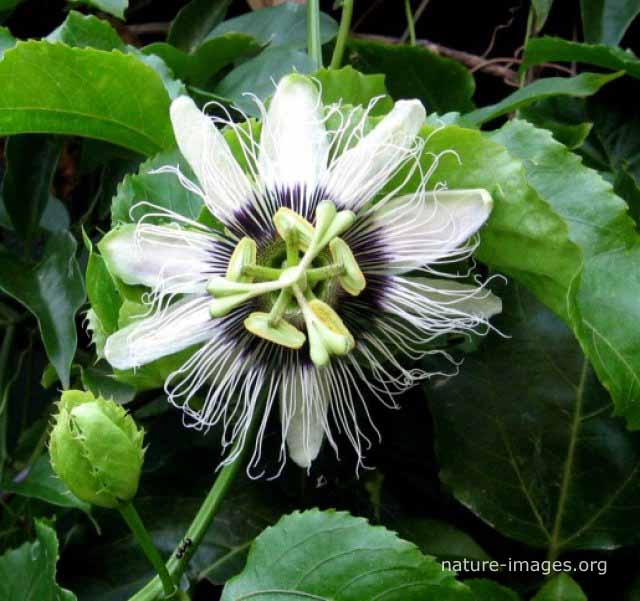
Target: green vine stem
[(208, 510), (343, 34), (132, 518), (313, 33), (410, 22)]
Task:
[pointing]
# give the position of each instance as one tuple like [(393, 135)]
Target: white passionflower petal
[(294, 145), (423, 229), (359, 173), (164, 333), (225, 187), (169, 260), (304, 402)]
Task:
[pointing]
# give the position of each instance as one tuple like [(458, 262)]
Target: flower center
[(293, 286)]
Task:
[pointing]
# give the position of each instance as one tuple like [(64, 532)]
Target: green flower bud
[(96, 449)]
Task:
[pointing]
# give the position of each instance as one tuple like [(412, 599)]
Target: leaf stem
[(132, 518), (314, 46), (410, 22), (208, 510), (343, 34)]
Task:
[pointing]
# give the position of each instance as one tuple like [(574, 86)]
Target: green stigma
[(290, 288)]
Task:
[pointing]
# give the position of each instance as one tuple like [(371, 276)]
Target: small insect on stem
[(182, 549)]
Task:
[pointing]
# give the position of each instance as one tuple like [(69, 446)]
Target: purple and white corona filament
[(325, 281)]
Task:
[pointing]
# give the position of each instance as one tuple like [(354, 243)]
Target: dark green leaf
[(194, 21), (113, 7), (31, 164), (258, 75), (208, 59), (115, 568), (162, 190), (41, 483), (440, 539), (581, 86), (525, 439), (101, 382), (487, 590), (53, 291), (352, 87), (334, 556), (284, 25), (606, 317), (29, 572), (541, 10), (441, 84), (560, 588), (94, 94), (605, 21), (564, 117), (545, 50)]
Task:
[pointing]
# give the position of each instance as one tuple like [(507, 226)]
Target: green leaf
[(440, 539), (334, 556), (6, 40), (441, 84), (87, 31), (284, 25), (53, 291), (84, 92), (541, 9), (102, 292), (581, 85), (487, 590), (31, 162), (101, 382), (560, 588), (605, 21), (195, 21), (545, 50), (349, 86), (29, 572), (524, 237), (259, 75), (41, 483), (564, 117), (606, 317), (113, 7), (162, 190), (528, 411), (208, 59)]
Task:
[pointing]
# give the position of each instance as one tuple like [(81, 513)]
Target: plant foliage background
[(532, 452)]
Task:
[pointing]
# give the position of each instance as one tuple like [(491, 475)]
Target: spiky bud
[(96, 449)]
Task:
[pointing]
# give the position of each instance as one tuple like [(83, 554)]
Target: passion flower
[(325, 281)]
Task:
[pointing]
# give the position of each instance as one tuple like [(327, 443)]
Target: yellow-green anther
[(282, 333), (244, 254), (352, 279), (326, 331), (287, 220)]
